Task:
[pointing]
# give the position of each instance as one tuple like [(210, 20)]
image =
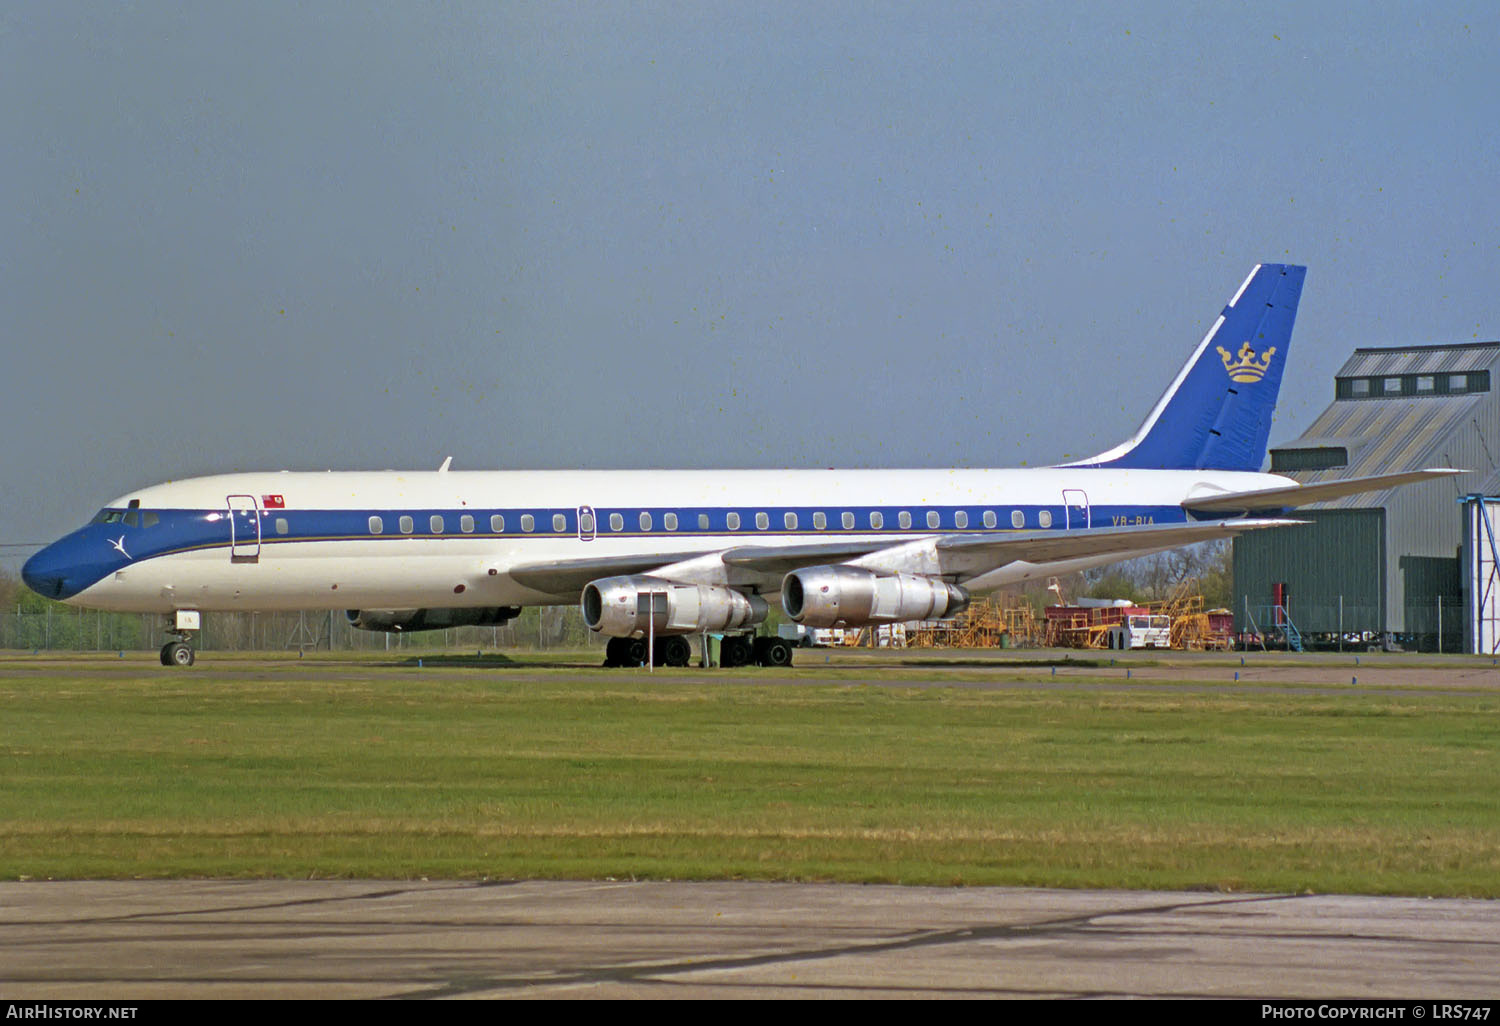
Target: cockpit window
[(150, 519), (132, 518), (109, 516)]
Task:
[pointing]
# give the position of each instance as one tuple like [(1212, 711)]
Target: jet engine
[(848, 596), (404, 620), (624, 607)]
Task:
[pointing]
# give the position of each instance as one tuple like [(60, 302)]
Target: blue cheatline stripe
[(354, 525), (91, 553)]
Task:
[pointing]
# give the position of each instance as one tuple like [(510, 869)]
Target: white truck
[(1141, 631)]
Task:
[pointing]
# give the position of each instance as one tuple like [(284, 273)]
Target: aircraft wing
[(965, 555), (768, 559), (560, 576), (972, 555), (1303, 495)]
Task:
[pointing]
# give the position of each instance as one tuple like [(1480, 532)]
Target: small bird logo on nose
[(120, 544)]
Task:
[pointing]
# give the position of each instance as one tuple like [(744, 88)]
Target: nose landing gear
[(177, 653), (181, 627)]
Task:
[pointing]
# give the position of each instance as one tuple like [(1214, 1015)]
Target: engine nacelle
[(848, 596), (624, 607), (405, 620)]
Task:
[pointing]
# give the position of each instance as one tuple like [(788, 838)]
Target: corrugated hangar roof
[(1383, 434), (1452, 359)]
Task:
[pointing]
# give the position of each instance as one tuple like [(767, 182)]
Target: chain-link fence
[(1436, 626), (78, 630)]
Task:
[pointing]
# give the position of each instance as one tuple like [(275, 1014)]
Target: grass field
[(946, 771)]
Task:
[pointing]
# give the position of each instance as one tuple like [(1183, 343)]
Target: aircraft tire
[(614, 652), (734, 652), (634, 651), (178, 653), (675, 651), (777, 653)]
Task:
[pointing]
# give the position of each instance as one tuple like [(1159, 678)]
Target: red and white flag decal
[(273, 502)]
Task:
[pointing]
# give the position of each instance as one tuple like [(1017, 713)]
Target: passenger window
[(670, 521), (406, 525), (877, 520), (281, 525), (497, 523), (528, 522), (586, 523), (820, 520), (466, 524), (435, 524), (733, 521), (762, 521), (616, 522), (904, 519), (377, 526), (847, 520), (790, 520), (933, 518), (1018, 519), (989, 518), (1044, 518), (645, 521), (961, 519), (559, 522), (703, 521)]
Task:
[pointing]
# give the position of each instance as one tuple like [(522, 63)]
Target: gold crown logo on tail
[(1248, 367)]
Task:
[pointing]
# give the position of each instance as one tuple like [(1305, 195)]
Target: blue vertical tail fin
[(1216, 415)]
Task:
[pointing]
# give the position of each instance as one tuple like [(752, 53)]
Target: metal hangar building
[(1408, 567)]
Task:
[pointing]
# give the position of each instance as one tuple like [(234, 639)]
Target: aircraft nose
[(45, 574)]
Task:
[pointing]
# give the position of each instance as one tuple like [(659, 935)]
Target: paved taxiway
[(364, 939)]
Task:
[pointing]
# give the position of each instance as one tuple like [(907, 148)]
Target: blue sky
[(355, 235)]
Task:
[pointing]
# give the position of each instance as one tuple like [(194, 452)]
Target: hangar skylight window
[(1324, 457), (1393, 386)]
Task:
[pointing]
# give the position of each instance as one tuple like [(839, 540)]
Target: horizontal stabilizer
[(1303, 495)]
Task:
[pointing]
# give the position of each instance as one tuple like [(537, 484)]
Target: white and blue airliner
[(667, 554)]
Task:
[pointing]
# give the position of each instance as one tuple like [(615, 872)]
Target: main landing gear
[(669, 651), (743, 650), (734, 650)]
